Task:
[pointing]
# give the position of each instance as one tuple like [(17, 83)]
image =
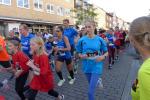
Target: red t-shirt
[(21, 59), (102, 35), (118, 36), (45, 81)]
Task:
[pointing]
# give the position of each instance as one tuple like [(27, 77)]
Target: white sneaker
[(61, 82), (62, 97), (100, 84), (72, 81)]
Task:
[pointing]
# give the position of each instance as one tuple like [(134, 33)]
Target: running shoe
[(61, 82), (110, 66), (72, 81), (100, 84), (62, 97)]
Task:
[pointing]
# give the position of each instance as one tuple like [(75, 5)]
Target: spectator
[(139, 35)]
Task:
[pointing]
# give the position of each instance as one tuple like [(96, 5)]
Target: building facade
[(109, 20), (101, 18), (38, 14)]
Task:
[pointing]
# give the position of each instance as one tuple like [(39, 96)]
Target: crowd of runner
[(32, 58)]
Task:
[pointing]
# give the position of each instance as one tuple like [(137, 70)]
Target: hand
[(55, 49), (134, 85), (83, 56), (17, 74), (30, 63), (100, 58)]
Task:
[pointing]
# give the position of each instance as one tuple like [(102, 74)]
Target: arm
[(76, 39), (104, 50), (67, 45), (79, 49), (102, 57), (18, 73), (32, 66)]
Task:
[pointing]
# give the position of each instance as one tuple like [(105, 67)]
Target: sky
[(128, 10)]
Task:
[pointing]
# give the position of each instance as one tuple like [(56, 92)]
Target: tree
[(84, 13)]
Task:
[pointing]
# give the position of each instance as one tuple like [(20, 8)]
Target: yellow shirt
[(143, 89)]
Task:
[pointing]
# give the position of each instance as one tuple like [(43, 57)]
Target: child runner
[(20, 69), (43, 77), (49, 45)]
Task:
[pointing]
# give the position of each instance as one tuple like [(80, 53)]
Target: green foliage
[(83, 14)]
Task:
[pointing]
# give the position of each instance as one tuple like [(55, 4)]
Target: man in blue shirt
[(25, 39), (71, 33)]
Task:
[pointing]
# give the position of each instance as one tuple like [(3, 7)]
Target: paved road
[(114, 81)]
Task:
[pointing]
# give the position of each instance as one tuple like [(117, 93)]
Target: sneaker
[(116, 58), (100, 84), (110, 66), (69, 77), (72, 81), (61, 82), (62, 97), (75, 71)]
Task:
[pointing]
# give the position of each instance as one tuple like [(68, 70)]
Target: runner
[(71, 33), (90, 48), (111, 47), (25, 39), (4, 57), (62, 50), (19, 67), (43, 78), (49, 45), (117, 41), (102, 34), (73, 37)]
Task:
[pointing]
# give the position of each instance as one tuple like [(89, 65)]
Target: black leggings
[(111, 51), (19, 85), (33, 93)]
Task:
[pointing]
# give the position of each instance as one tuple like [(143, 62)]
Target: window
[(60, 11), (67, 12), (5, 2), (23, 3), (38, 4), (50, 8)]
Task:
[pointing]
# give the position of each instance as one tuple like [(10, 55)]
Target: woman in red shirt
[(19, 66), (43, 78)]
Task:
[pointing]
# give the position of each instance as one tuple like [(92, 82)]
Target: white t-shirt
[(47, 36)]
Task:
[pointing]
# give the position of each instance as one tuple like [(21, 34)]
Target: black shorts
[(117, 47), (67, 61), (5, 64)]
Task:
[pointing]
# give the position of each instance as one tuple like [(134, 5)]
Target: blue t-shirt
[(48, 45), (63, 54), (110, 38), (70, 33), (88, 45), (25, 43)]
